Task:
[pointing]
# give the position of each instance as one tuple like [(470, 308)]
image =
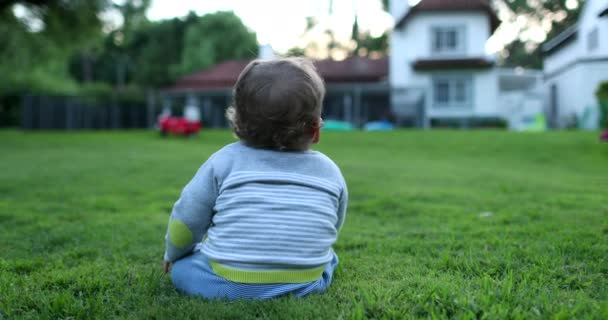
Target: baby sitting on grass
[(267, 208)]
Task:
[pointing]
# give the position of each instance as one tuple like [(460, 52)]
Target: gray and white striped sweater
[(261, 210)]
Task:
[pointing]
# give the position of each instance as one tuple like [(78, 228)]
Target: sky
[(281, 23)]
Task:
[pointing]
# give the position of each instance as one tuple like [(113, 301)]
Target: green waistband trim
[(279, 276)]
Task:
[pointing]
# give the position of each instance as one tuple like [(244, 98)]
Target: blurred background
[(102, 64)]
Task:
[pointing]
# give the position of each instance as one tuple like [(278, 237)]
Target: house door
[(553, 107)]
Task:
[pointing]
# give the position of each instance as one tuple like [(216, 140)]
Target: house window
[(448, 40), (452, 92), (592, 39)]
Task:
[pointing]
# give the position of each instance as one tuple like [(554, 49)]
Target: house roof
[(220, 75), (560, 40), (353, 69), (554, 44), (451, 6), (224, 75), (451, 64)]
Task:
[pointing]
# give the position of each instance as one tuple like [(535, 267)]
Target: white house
[(575, 62), (438, 62)]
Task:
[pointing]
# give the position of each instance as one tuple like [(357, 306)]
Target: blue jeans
[(194, 276)]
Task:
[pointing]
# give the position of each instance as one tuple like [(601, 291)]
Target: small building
[(438, 59), (357, 90), (575, 63)]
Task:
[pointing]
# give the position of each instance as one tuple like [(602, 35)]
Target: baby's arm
[(191, 215), (343, 201)]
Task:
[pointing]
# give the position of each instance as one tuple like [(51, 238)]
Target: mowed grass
[(441, 224)]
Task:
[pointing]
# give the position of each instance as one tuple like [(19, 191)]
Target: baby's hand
[(166, 266)]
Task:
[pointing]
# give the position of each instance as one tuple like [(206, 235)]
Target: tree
[(144, 54), (522, 54), (107, 60), (361, 42), (154, 54), (35, 47), (366, 45), (553, 16), (296, 52), (215, 38), (5, 4)]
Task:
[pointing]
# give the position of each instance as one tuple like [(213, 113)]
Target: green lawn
[(441, 224)]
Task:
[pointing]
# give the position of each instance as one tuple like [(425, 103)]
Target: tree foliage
[(146, 57), (522, 54), (65, 47), (365, 43), (35, 45), (70, 46), (554, 16), (214, 38), (556, 12), (154, 54), (36, 58)]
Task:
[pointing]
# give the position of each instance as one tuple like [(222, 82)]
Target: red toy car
[(178, 126)]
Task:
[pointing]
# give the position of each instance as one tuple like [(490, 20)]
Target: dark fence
[(63, 112), (357, 104)]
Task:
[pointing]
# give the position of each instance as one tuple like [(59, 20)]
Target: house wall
[(399, 63), (413, 41), (578, 49), (484, 92), (577, 71), (398, 9), (576, 88), (565, 56), (568, 94), (593, 73), (588, 21)]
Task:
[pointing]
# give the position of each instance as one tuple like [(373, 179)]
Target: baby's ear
[(316, 135), (316, 130)]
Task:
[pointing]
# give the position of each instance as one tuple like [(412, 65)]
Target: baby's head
[(278, 104)]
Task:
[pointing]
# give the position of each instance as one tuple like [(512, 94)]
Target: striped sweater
[(262, 216)]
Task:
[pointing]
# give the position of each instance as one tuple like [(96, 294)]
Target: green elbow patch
[(179, 234)]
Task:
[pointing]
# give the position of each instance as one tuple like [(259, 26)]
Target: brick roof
[(353, 69), (218, 76), (225, 74), (451, 6)]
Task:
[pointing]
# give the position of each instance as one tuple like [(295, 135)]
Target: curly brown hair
[(277, 104)]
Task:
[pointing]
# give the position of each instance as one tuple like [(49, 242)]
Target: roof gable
[(559, 41), (451, 6), (565, 37)]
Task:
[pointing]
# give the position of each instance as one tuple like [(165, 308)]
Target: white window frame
[(440, 34), (454, 97)]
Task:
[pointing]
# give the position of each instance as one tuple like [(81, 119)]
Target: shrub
[(602, 97)]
